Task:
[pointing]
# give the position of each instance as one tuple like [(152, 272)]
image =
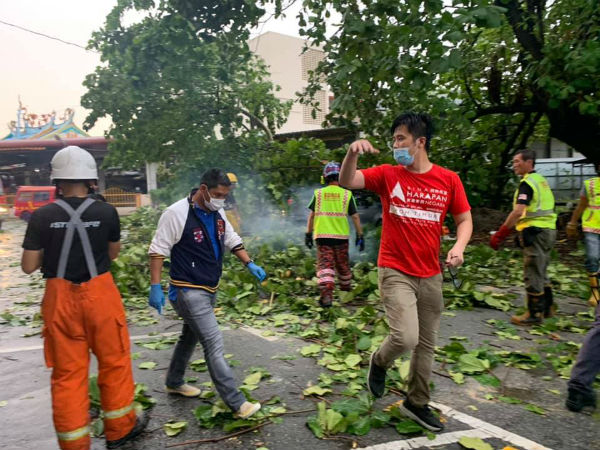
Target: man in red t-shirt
[(415, 196)]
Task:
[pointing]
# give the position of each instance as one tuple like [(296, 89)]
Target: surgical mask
[(214, 204), (403, 156)]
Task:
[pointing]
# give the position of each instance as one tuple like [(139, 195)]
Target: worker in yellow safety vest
[(328, 224), (231, 208), (589, 207), (534, 218)]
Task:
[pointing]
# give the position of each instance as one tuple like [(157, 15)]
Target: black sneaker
[(577, 400), (376, 378), (140, 424), (423, 416)]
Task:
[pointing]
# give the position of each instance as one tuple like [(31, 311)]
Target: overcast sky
[(48, 74)]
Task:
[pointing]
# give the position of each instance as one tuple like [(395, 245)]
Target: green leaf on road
[(469, 363), (253, 379), (352, 360), (364, 343), (310, 350), (535, 409), (147, 365), (336, 367), (408, 427), (316, 390), (474, 443), (174, 428), (510, 400), (457, 377)]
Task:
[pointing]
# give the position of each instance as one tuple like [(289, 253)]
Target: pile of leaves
[(340, 339)]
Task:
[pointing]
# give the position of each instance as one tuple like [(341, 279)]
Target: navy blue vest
[(193, 260)]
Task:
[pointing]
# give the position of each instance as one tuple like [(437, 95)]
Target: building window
[(310, 61), (307, 118)]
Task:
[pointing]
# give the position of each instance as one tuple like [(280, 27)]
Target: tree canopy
[(181, 85), (496, 73)]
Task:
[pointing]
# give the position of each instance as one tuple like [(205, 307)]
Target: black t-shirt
[(525, 194), (46, 231)]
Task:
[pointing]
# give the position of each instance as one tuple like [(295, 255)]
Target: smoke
[(281, 226)]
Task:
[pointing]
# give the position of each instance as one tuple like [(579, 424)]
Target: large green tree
[(497, 73), (180, 84)]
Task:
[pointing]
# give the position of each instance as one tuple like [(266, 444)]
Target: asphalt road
[(26, 415)]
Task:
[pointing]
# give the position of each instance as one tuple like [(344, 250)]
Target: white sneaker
[(247, 409), (185, 389)]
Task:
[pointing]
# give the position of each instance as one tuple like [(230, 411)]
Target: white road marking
[(258, 333), (495, 431), (440, 439), (479, 429), (39, 347)]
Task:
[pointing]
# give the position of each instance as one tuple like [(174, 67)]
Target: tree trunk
[(582, 132)]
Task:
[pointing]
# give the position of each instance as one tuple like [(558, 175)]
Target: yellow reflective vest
[(591, 216), (540, 211), (331, 211)]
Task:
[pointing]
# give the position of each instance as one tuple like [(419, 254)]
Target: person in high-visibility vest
[(534, 218), (328, 224), (73, 241), (231, 209), (587, 366), (589, 207)]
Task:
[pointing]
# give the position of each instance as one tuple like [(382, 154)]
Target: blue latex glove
[(157, 297), (257, 271), (360, 242)]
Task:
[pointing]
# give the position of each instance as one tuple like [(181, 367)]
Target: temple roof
[(32, 126)]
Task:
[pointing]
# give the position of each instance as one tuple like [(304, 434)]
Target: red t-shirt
[(414, 208)]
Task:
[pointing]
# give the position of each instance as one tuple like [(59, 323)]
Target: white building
[(289, 68)]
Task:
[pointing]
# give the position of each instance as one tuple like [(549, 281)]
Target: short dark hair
[(417, 124), (214, 177), (334, 177), (527, 155)]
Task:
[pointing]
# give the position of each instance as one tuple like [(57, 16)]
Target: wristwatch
[(248, 262)]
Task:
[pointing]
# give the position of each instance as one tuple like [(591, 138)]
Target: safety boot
[(550, 306), (535, 311), (595, 295)]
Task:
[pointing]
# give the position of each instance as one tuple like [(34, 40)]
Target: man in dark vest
[(194, 233)]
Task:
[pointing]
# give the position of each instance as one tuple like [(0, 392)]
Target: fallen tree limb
[(221, 438)]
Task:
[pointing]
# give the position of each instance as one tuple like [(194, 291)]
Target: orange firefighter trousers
[(79, 318)]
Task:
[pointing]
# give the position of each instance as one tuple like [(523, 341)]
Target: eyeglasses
[(453, 274)]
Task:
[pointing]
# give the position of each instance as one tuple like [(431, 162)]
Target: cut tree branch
[(220, 438), (529, 131), (255, 121), (510, 144)]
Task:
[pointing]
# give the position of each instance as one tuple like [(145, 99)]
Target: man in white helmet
[(73, 241)]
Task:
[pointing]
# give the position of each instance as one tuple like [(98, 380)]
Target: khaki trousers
[(413, 307)]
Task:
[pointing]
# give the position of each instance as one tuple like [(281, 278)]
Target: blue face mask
[(403, 157)]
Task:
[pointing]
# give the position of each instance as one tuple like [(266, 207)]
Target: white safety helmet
[(73, 163)]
